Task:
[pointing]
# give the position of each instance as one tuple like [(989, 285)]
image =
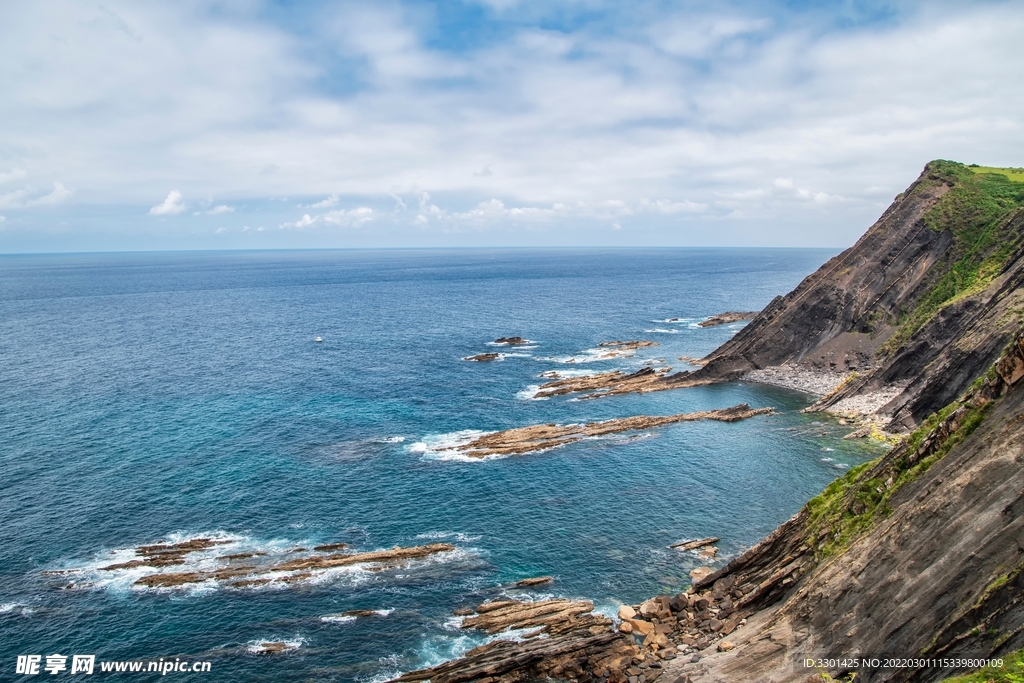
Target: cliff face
[(917, 555), (922, 303)]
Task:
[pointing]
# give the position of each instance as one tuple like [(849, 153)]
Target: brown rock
[(725, 646), (535, 581), (728, 317), (626, 627), (330, 546), (642, 627), (511, 341), (626, 612), (693, 545), (700, 573), (534, 438), (483, 357)]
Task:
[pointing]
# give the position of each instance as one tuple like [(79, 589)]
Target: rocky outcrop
[(542, 437), (246, 570), (565, 639), (922, 303), (511, 341), (919, 554), (728, 317), (534, 581), (626, 345), (483, 357)]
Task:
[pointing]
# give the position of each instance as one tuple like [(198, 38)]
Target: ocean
[(162, 397)]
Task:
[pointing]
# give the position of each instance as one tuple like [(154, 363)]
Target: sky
[(257, 124)]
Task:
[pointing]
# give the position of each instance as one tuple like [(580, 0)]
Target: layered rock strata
[(242, 570), (535, 438)]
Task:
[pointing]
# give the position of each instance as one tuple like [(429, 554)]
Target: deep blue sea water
[(149, 397)]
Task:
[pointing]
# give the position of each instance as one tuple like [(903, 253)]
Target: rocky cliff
[(919, 307), (919, 553)]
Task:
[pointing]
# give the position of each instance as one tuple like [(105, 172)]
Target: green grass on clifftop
[(1014, 174), (975, 211)]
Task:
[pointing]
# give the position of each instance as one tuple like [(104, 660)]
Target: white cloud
[(3, 218), (666, 206), (13, 174), (325, 204), (342, 217), (13, 199), (24, 197), (220, 210), (717, 105), (171, 206), (59, 195)]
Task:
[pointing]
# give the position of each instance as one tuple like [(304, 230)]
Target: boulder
[(701, 573), (626, 612)]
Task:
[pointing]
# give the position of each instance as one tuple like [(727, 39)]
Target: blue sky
[(209, 125)]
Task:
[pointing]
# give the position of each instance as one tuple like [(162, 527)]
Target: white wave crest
[(445, 446)]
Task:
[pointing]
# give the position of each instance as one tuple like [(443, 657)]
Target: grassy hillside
[(976, 211)]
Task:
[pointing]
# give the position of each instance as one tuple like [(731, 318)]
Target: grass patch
[(976, 211), (1012, 671), (1014, 174), (852, 504)]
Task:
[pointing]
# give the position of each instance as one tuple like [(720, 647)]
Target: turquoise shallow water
[(149, 397)]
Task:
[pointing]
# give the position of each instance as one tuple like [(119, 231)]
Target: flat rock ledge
[(542, 437), (728, 317), (251, 572), (569, 642), (566, 640)]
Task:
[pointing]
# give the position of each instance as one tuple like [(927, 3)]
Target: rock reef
[(483, 357), (728, 317), (535, 438), (567, 641), (251, 574), (511, 341)]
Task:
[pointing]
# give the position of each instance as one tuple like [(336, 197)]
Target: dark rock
[(511, 341), (483, 357)]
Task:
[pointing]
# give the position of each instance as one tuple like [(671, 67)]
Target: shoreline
[(861, 410)]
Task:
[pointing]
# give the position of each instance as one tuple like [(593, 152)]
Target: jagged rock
[(725, 646), (511, 341), (626, 627), (483, 357), (330, 546), (626, 612), (693, 545), (375, 559), (535, 581), (577, 641), (728, 317), (627, 345), (641, 626)]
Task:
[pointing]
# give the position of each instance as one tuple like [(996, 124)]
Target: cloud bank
[(419, 124)]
